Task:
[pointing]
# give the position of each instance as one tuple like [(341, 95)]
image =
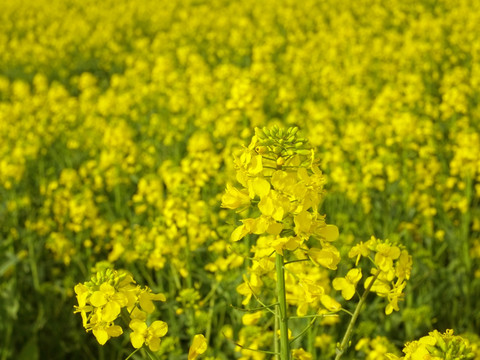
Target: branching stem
[(346, 338)]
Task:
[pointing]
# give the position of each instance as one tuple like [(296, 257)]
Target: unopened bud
[(261, 150), (277, 150), (260, 134), (303, 152)]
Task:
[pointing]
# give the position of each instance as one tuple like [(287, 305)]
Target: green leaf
[(29, 351)]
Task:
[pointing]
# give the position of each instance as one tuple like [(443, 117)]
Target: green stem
[(275, 336), (346, 338), (282, 307), (208, 330), (304, 331), (129, 356), (33, 263), (311, 341)]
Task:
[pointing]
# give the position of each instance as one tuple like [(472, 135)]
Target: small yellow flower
[(300, 354), (385, 256), (348, 283), (328, 232), (252, 318), (109, 301), (359, 250), (103, 330), (328, 256), (394, 296), (145, 299), (330, 303), (235, 198), (82, 293), (149, 336)]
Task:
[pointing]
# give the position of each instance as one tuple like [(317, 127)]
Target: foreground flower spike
[(100, 303), (280, 193)]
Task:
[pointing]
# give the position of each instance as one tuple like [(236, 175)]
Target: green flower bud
[(261, 149), (440, 342), (260, 134), (303, 152), (277, 149)]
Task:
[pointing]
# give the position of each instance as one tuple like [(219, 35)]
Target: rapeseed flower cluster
[(100, 303), (392, 269)]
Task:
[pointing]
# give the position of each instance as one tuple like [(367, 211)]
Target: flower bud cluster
[(284, 143), (110, 295)]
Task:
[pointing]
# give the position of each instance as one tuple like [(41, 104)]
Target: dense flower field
[(239, 179)]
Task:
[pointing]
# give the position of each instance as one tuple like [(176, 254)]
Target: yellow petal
[(251, 319), (327, 257), (199, 346), (261, 187), (137, 340), (101, 335), (303, 222), (110, 311), (266, 206), (339, 283), (354, 275), (159, 328), (239, 233), (330, 303), (154, 344), (348, 289), (138, 325), (329, 232), (114, 331), (98, 299), (275, 228)]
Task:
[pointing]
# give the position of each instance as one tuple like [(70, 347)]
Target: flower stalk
[(282, 307), (346, 338)]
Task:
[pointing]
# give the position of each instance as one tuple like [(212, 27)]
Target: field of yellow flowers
[(245, 180)]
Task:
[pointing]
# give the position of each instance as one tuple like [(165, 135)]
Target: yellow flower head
[(150, 336), (348, 283)]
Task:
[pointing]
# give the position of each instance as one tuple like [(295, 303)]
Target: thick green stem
[(275, 336), (346, 338), (282, 307)]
